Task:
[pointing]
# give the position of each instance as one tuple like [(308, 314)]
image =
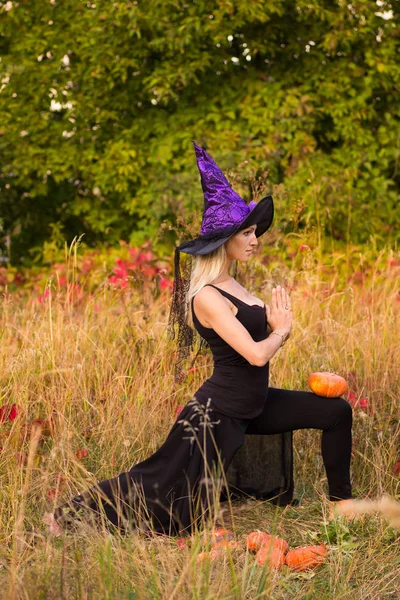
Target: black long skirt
[(174, 490)]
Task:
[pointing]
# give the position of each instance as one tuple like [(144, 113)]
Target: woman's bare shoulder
[(209, 304), (206, 294), (209, 298)]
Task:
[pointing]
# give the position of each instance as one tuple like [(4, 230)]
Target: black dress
[(172, 490)]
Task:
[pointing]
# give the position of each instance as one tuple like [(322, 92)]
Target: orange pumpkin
[(277, 542), (306, 557), (329, 385), (272, 556), (256, 539)]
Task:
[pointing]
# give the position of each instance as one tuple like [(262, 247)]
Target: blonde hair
[(206, 268)]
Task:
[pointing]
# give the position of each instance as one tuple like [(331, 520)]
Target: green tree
[(100, 102)]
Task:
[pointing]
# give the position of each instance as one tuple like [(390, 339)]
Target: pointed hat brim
[(262, 215)]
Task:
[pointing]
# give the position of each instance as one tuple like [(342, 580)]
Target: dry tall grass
[(103, 379)]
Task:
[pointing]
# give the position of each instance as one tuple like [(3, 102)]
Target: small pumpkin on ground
[(277, 542), (272, 556), (329, 385), (306, 557), (258, 539)]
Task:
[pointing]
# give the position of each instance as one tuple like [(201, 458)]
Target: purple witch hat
[(225, 212)]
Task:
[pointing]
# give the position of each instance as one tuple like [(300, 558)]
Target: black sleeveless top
[(236, 388)]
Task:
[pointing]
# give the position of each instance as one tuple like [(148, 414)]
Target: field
[(86, 355)]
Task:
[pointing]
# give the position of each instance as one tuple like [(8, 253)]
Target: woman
[(175, 488)]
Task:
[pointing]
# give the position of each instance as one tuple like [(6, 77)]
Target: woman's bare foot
[(51, 524)]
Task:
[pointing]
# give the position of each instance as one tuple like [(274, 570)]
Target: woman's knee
[(342, 410)]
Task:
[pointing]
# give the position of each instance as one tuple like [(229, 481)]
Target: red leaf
[(148, 271), (87, 264), (87, 433), (145, 256), (15, 410), (121, 272), (165, 284), (183, 542), (60, 479), (81, 453), (394, 262), (44, 296), (193, 370), (351, 397), (118, 282), (396, 468), (134, 252), (358, 402), (22, 459), (178, 410), (9, 412), (53, 494), (363, 403)]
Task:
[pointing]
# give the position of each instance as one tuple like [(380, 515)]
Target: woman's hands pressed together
[(279, 315)]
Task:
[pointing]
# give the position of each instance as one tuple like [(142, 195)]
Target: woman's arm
[(220, 317)]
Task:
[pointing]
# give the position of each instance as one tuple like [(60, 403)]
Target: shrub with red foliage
[(136, 263), (144, 264), (358, 402)]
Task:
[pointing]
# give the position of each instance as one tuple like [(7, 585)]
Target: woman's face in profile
[(242, 245)]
